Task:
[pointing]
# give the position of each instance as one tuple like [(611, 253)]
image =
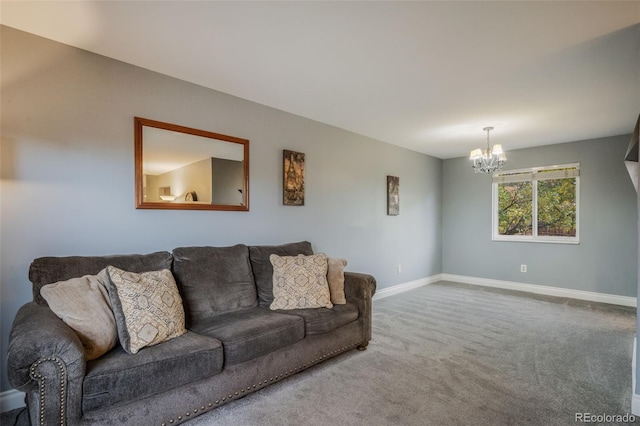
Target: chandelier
[(488, 160)]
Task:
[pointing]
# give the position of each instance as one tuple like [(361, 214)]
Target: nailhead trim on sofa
[(243, 391), (43, 383)]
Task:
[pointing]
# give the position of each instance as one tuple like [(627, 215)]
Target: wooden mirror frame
[(140, 123)]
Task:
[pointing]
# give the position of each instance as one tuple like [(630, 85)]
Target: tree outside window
[(538, 204)]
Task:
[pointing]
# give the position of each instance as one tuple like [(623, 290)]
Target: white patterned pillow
[(147, 307), (300, 282)]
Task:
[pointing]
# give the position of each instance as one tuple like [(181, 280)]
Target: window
[(540, 204)]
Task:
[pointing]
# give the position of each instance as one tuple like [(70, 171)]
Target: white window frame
[(534, 238)]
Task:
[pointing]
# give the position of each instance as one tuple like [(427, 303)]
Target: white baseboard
[(401, 288), (10, 400), (635, 404), (549, 291), (510, 285)]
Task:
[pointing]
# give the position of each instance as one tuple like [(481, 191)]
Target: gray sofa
[(234, 345)]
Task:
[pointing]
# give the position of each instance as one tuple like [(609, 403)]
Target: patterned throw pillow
[(335, 277), (147, 307), (300, 282), (83, 304)]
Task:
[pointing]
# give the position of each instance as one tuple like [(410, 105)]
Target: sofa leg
[(363, 346)]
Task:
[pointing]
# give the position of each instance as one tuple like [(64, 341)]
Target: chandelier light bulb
[(488, 160)]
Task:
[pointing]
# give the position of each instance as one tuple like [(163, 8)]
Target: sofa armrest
[(359, 289), (46, 361), (359, 286)]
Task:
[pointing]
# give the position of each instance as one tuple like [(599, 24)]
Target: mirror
[(178, 167)]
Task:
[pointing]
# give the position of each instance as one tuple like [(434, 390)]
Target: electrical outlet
[(399, 269), (523, 268)]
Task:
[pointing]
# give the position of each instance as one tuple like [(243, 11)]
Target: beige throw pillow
[(300, 282), (83, 304), (147, 307), (335, 277)]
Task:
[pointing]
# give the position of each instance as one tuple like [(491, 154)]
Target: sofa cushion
[(147, 307), (263, 270), (214, 280), (118, 377), (323, 320), (252, 333), (83, 304), (48, 270), (300, 282)]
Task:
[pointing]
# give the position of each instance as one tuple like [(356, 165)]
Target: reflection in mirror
[(183, 168)]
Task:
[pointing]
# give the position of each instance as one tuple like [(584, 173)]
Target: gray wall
[(68, 178), (605, 261)]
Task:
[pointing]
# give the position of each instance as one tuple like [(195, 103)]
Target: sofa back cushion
[(213, 280), (263, 270), (48, 270)]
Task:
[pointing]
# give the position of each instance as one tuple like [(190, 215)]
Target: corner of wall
[(635, 398)]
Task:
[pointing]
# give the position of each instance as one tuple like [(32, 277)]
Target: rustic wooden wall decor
[(293, 185), (393, 195)]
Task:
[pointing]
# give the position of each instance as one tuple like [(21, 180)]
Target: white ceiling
[(427, 76)]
